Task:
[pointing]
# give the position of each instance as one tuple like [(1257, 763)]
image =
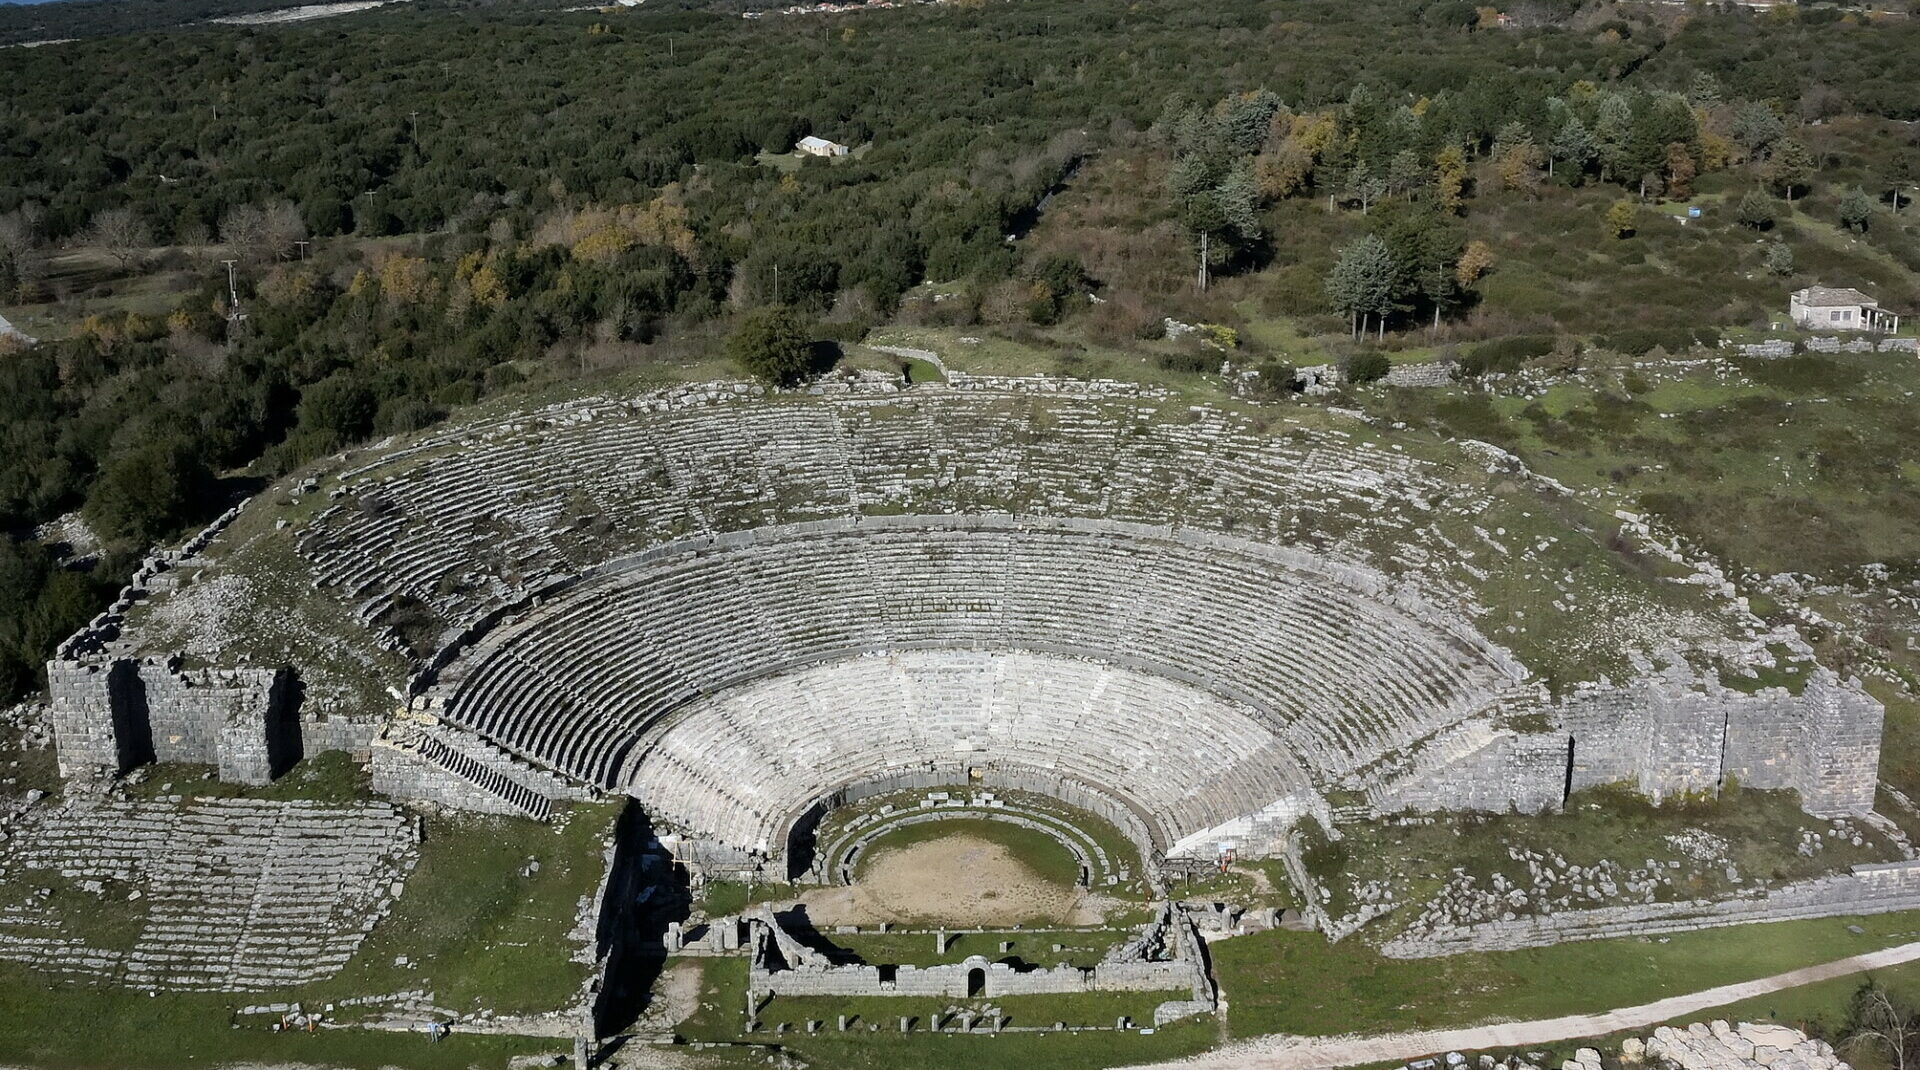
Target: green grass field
[(1298, 983)]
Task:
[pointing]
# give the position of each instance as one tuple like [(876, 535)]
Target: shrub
[(1187, 363), (1506, 354), (340, 406), (1780, 258), (770, 345), (1276, 380), (1639, 341), (1620, 218), (1367, 367)]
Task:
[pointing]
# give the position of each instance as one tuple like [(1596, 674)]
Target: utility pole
[(776, 284), (302, 247), (1203, 262)]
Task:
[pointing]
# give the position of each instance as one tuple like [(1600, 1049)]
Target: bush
[(1188, 363), (1639, 341), (339, 406), (770, 345), (1275, 380), (1505, 354), (150, 492), (1367, 367)]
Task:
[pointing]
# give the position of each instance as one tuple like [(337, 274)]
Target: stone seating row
[(239, 894), (1339, 677), (510, 502), (735, 766)]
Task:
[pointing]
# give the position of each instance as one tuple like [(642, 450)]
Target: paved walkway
[(1318, 1053)]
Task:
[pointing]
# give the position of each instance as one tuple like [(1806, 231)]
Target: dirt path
[(676, 995), (1318, 1053), (955, 880)]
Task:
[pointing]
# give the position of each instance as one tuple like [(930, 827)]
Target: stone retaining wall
[(1869, 889), (1670, 735)]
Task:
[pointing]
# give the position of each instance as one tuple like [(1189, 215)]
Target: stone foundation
[(1165, 956)]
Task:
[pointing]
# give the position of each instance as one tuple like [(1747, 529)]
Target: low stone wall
[(1870, 889), (1433, 373), (1166, 956)]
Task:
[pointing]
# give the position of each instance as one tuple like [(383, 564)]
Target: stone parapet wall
[(1478, 767), (441, 765)]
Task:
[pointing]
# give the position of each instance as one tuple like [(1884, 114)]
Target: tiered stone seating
[(1333, 677), (239, 894), (485, 513), (1188, 758)]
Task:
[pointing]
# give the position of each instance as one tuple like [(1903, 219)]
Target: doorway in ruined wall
[(976, 983)]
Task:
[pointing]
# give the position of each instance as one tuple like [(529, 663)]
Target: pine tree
[(1361, 283), (1572, 143), (1789, 167), (1754, 210), (1856, 210), (1780, 258)]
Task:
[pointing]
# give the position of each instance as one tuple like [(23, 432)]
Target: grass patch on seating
[(103, 920), (330, 776), (476, 927), (720, 1017), (1291, 982)]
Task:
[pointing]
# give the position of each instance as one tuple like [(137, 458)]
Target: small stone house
[(1823, 308), (819, 146)]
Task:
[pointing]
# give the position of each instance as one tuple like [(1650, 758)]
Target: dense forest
[(432, 204)]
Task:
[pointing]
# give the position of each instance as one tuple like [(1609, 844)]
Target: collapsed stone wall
[(1869, 889), (1166, 956)]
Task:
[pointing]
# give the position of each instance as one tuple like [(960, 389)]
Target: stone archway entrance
[(976, 983)]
